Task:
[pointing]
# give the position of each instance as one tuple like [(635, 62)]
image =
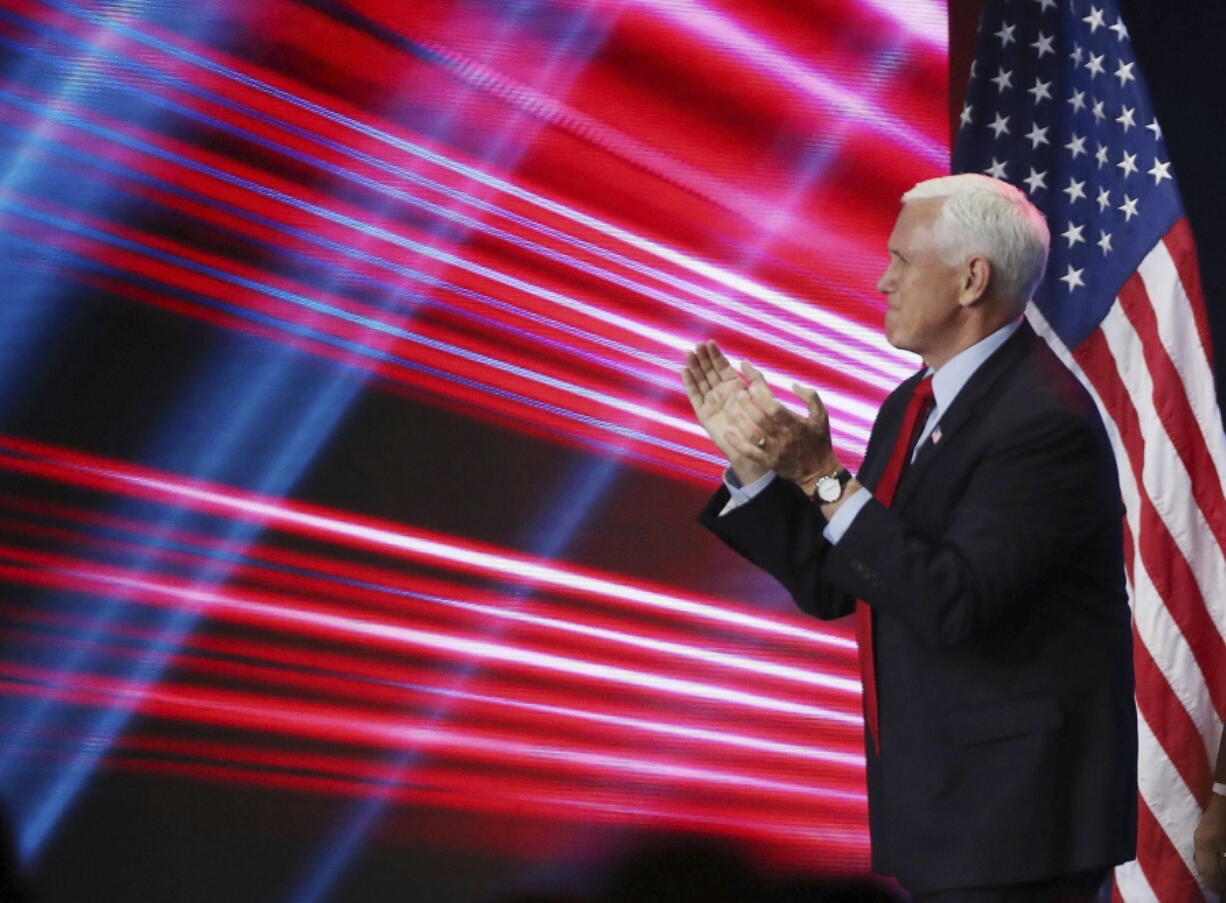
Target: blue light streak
[(867, 336), (786, 332), (857, 414)]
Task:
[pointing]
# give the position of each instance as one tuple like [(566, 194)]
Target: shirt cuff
[(738, 494), (842, 519)]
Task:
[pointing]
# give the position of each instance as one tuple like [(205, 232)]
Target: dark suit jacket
[(1003, 642)]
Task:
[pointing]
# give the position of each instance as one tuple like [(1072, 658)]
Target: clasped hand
[(753, 430)]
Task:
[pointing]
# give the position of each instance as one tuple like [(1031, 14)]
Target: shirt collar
[(948, 381)]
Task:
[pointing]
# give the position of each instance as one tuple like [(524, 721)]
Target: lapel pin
[(936, 435)]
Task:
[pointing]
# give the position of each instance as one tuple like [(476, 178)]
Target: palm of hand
[(711, 385), (713, 410)]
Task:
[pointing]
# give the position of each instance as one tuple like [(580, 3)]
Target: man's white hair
[(982, 215)]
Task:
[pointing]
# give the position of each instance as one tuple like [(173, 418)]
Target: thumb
[(808, 395), (752, 373)]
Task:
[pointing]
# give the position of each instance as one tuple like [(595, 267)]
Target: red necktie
[(913, 422)]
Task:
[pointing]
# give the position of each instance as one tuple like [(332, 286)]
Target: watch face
[(829, 489)]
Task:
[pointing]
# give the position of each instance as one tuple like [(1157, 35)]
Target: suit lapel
[(963, 410), (885, 431)]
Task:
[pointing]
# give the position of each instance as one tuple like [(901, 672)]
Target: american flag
[(1057, 106)]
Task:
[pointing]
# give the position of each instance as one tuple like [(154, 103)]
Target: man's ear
[(976, 276)]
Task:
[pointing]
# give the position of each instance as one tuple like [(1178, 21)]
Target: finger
[(1209, 862), (746, 449), (702, 355), (759, 391), (807, 394), (722, 366), (752, 373), (692, 391), (752, 427), (694, 368), (1216, 878), (743, 407), (1214, 874), (750, 422)]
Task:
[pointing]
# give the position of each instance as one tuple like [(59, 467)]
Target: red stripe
[(1174, 410), (1170, 722), (1181, 245), (1164, 561), (1164, 869)]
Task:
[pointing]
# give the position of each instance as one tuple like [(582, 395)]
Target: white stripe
[(1177, 329), (1134, 886), (1154, 624), (1166, 478), (1160, 783), (1167, 796), (1166, 485)]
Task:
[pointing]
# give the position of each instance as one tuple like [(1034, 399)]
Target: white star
[(1160, 171), (1002, 80), (1101, 155), (1043, 45), (1037, 136), (1156, 129), (1124, 72), (1104, 199), (1072, 234), (999, 125), (1120, 31), (1128, 208), (1095, 64), (1078, 100), (1073, 278), (1095, 19), (1077, 146), (1128, 163), (1006, 34), (1126, 118), (1040, 91), (1075, 190), (1075, 56), (1097, 110), (996, 170), (1104, 242), (965, 115), (1045, 5), (1036, 180)]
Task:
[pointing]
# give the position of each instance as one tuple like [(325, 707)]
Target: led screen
[(347, 487)]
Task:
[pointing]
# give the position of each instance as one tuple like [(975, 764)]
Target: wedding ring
[(762, 442)]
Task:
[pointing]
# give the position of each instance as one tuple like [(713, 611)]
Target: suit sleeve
[(780, 530), (1040, 497)]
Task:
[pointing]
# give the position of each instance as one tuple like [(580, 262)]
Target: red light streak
[(385, 593), (486, 698), (75, 468), (701, 170), (347, 725), (813, 348), (265, 611)]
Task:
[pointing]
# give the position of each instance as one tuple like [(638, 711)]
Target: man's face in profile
[(921, 288)]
